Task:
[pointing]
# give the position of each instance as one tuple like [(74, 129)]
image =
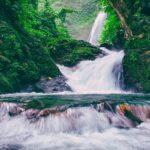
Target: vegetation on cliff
[(25, 38), (133, 34), (80, 19)]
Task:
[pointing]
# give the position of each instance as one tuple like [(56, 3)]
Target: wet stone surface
[(49, 85)]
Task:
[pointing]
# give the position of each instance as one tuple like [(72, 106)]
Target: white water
[(75, 129), (96, 76), (97, 28)]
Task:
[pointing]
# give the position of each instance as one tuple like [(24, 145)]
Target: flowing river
[(97, 115), (76, 122)]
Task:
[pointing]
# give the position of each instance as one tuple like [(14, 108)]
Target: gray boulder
[(57, 84)]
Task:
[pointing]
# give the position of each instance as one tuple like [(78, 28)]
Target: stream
[(87, 121)]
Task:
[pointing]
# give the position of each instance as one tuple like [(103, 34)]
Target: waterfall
[(98, 76), (102, 75), (97, 28)]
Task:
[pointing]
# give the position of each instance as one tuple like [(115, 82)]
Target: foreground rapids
[(94, 125)]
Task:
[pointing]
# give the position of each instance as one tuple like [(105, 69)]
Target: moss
[(24, 57), (112, 25), (137, 70), (70, 52), (5, 85), (137, 60)]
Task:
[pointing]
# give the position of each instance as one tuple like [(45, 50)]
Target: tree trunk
[(120, 8)]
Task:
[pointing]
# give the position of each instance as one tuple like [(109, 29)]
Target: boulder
[(57, 84)]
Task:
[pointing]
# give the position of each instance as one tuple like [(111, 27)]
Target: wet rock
[(29, 89), (146, 7), (10, 147), (70, 53), (106, 45), (15, 111), (57, 84), (46, 112), (31, 113)]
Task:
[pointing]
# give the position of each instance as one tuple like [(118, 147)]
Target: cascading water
[(99, 125), (101, 75), (96, 76), (97, 28)]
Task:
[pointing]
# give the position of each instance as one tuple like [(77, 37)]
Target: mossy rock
[(71, 52), (137, 70), (24, 58)]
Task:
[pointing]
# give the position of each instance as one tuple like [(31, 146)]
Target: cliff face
[(135, 24)]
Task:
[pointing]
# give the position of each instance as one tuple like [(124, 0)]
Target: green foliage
[(137, 43), (137, 69), (64, 11), (111, 28), (70, 52), (136, 63), (112, 25), (29, 41), (26, 36), (5, 84), (137, 60)]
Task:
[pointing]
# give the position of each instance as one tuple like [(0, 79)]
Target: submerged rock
[(11, 147), (57, 84)]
